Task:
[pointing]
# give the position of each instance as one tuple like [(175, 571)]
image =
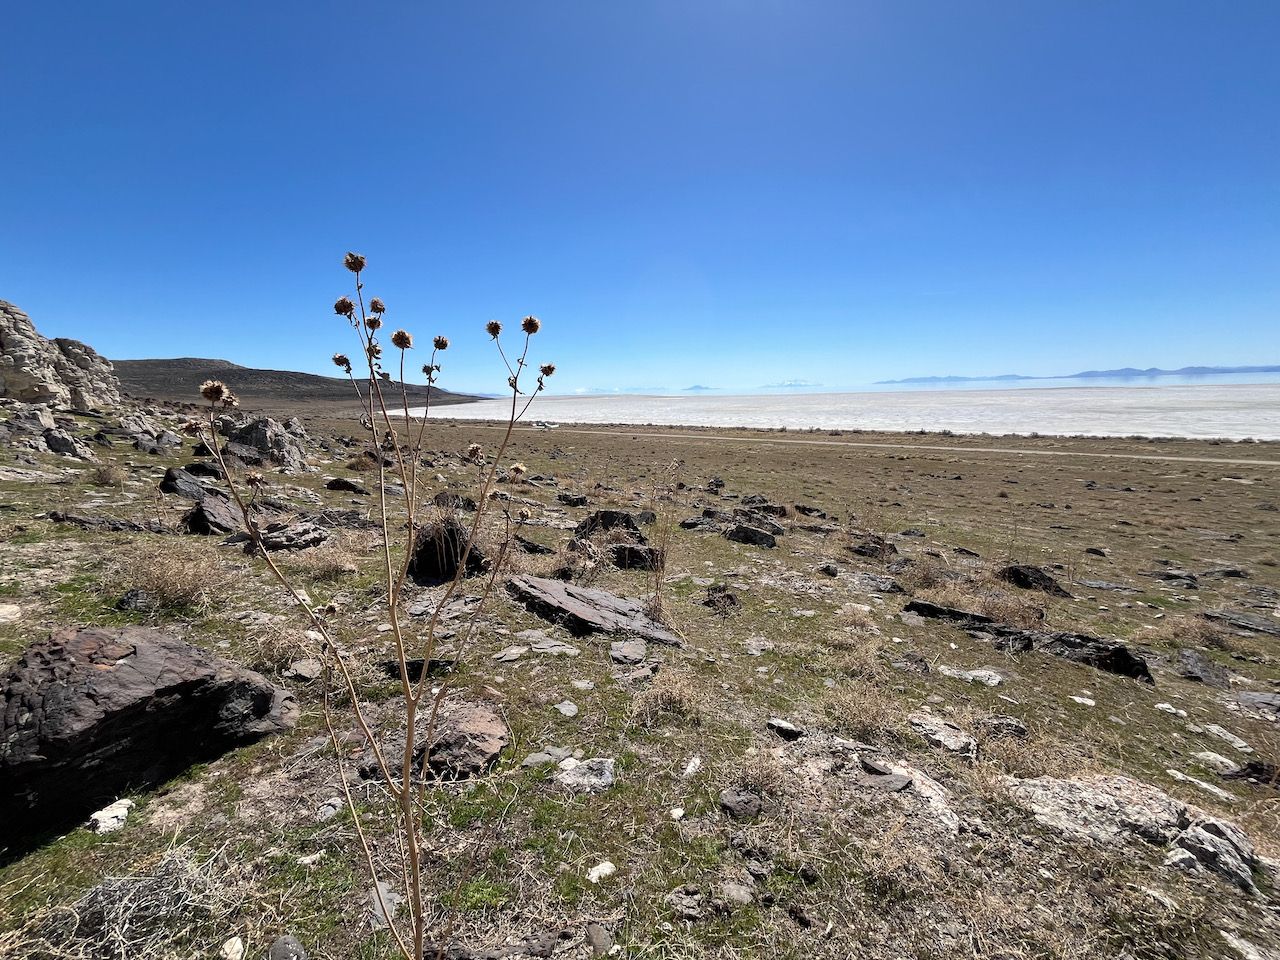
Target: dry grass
[(107, 475), (758, 772), (671, 696), (985, 597), (333, 560), (176, 907), (864, 711), (174, 575)]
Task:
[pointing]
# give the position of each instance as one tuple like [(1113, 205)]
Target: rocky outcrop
[(265, 442), (91, 713), (60, 372), (1112, 811), (467, 740)]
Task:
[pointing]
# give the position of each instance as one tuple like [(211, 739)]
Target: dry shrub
[(332, 560), (174, 908), (864, 711), (107, 475), (671, 696), (759, 772), (926, 574), (860, 655), (179, 575), (985, 597), (1178, 631), (895, 866)]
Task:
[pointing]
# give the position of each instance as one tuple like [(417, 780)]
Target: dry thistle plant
[(383, 418)]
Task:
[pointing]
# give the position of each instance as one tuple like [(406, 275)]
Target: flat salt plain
[(1227, 411)]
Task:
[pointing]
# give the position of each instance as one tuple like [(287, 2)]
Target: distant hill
[(1123, 373), (179, 380)]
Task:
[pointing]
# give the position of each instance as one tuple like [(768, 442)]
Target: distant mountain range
[(1124, 373)]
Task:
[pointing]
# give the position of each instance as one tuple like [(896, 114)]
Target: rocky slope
[(61, 372)]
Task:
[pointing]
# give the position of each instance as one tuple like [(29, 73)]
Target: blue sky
[(721, 193)]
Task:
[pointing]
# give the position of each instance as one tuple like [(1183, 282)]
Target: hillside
[(179, 379)]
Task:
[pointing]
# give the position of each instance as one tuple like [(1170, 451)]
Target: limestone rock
[(61, 372)]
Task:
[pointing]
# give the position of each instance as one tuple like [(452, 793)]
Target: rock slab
[(90, 714), (585, 610)]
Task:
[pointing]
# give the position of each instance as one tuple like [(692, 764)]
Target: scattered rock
[(468, 740), (347, 485), (287, 948), (1109, 655), (111, 817), (936, 611), (635, 556), (943, 733), (1194, 665), (628, 652), (586, 776), (263, 440), (753, 536), (741, 804), (586, 610), (784, 728), (605, 520), (1027, 577), (985, 676)]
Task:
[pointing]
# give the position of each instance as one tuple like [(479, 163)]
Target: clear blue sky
[(721, 193)]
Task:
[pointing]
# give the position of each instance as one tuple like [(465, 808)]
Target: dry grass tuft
[(671, 696), (861, 710), (986, 597), (107, 475), (332, 560), (759, 772), (173, 575), (174, 908)]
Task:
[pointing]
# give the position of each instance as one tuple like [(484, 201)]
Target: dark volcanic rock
[(610, 520), (448, 500), (105, 524), (1027, 577), (181, 483), (635, 556), (90, 714), (1194, 665), (1268, 703), (741, 804), (214, 515), (440, 549), (1244, 621), (205, 468), (347, 485), (936, 611), (587, 610), (572, 499), (742, 533), (875, 583), (532, 546), (1109, 655), (874, 547)]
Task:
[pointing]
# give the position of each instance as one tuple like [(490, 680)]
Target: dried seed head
[(547, 369), (531, 325), (377, 306), (517, 470), (475, 451), (493, 328), (255, 480), (374, 322), (344, 307), (385, 376), (441, 343), (524, 515), (342, 362), (374, 350), (230, 400), (354, 262), (402, 339), (213, 390)]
